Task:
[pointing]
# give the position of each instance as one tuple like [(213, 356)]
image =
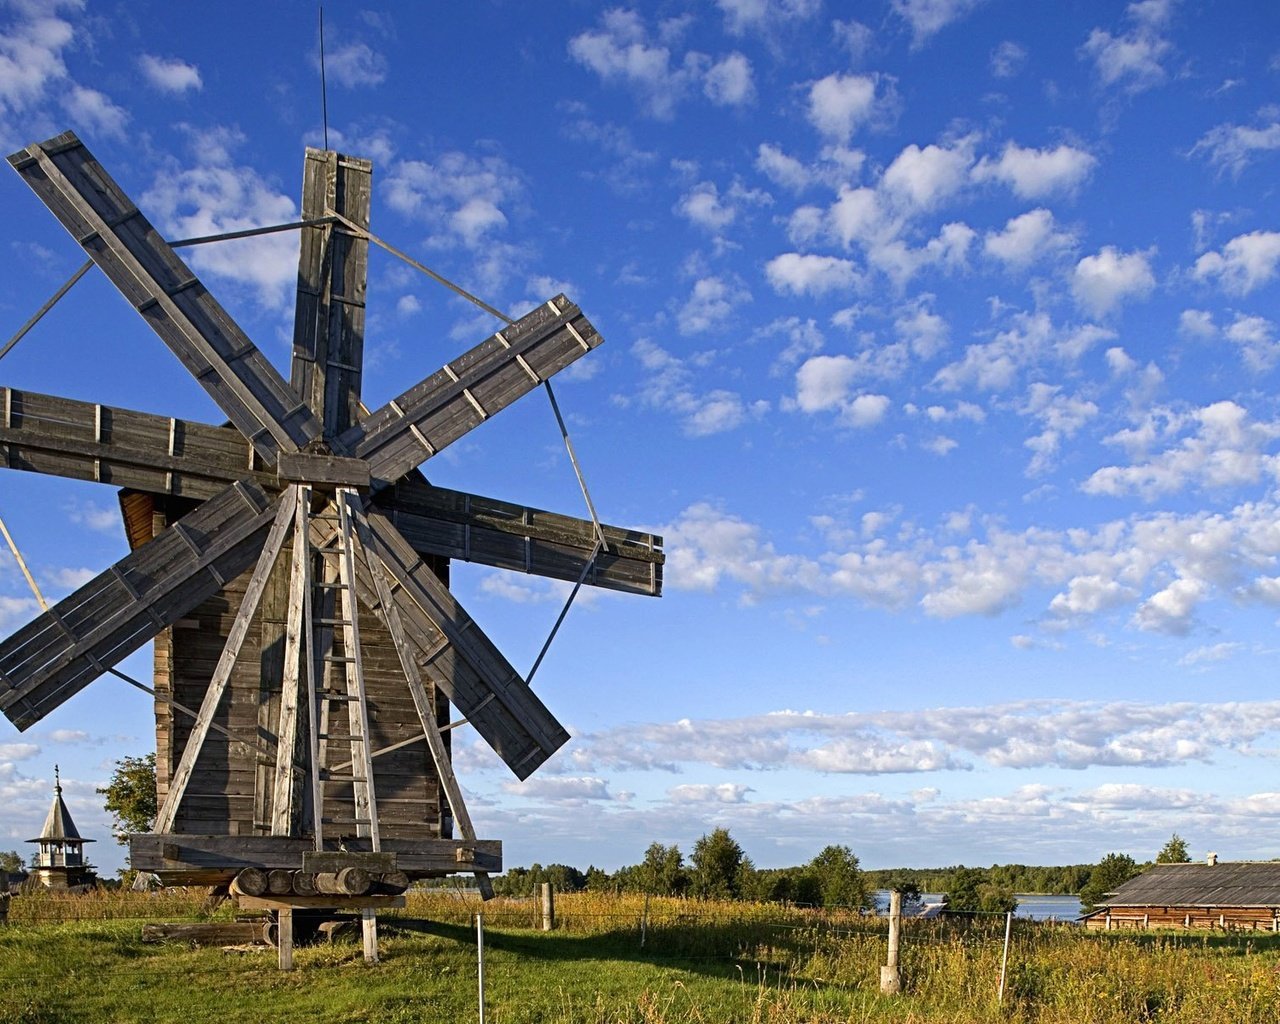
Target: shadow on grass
[(763, 956)]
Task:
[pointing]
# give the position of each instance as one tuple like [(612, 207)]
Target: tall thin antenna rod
[(324, 88)]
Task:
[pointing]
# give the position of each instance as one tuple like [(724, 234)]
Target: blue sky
[(941, 346)]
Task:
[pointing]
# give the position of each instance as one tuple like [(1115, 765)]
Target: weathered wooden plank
[(222, 674), (455, 653), (301, 467), (54, 657), (162, 288), (121, 447), (473, 387), (329, 321), (416, 857), (474, 528)]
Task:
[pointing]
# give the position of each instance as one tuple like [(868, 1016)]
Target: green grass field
[(83, 960)]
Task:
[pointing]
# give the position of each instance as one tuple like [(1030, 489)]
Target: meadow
[(618, 960)]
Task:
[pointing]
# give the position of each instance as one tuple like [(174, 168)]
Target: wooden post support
[(890, 979), (369, 927), (548, 907), (1004, 959), (480, 962), (284, 937)]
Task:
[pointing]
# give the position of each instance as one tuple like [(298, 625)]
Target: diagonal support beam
[(168, 812), (165, 292), (459, 658), (54, 657)]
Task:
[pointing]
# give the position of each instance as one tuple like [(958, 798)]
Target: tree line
[(718, 868)]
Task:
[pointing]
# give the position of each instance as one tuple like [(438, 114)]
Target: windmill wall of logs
[(292, 566)]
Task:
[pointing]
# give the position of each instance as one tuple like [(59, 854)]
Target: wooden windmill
[(292, 566)]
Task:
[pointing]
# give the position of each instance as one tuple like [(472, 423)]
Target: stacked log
[(348, 881)]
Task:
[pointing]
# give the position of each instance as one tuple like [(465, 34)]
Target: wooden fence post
[(890, 979), (548, 907)]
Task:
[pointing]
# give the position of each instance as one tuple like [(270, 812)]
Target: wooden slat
[(473, 528), (328, 340), (460, 659), (46, 662), (435, 413), (121, 447), (170, 298), (195, 853)]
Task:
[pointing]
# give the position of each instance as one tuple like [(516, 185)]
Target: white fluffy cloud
[(1133, 60), (1244, 263), (729, 82), (712, 301), (841, 104), (922, 178), (355, 65), (670, 384), (1037, 173), (808, 274), (1232, 147), (170, 75), (217, 195), (1103, 281), (1212, 448), (928, 17), (1027, 238), (741, 16), (622, 50)]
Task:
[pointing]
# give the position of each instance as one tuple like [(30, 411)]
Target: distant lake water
[(1031, 906)]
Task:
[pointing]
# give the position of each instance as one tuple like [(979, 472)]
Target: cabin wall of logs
[(231, 791), (1248, 919)]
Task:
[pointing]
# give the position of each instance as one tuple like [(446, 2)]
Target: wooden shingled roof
[(1255, 884)]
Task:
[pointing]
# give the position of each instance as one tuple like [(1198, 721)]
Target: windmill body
[(292, 566)]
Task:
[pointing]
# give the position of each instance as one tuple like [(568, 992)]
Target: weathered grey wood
[(349, 881), (304, 883), (222, 675), (322, 470), (206, 933), (249, 882), (376, 862), (328, 348), (62, 651), (460, 659), (40, 433), (282, 801), (206, 858), (284, 937), (439, 410), (122, 447), (321, 902), (279, 881), (426, 714), (173, 301), (474, 528), (358, 736)]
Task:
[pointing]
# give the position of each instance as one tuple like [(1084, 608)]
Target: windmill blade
[(435, 413), (456, 654), (170, 298), (48, 661), (157, 454), (454, 524)]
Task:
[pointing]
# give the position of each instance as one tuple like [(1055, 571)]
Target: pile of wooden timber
[(347, 881)]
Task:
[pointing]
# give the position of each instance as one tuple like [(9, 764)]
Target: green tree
[(662, 871), (1112, 872), (962, 889), (841, 882), (716, 859), (996, 899), (1174, 851), (11, 862), (131, 796)]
